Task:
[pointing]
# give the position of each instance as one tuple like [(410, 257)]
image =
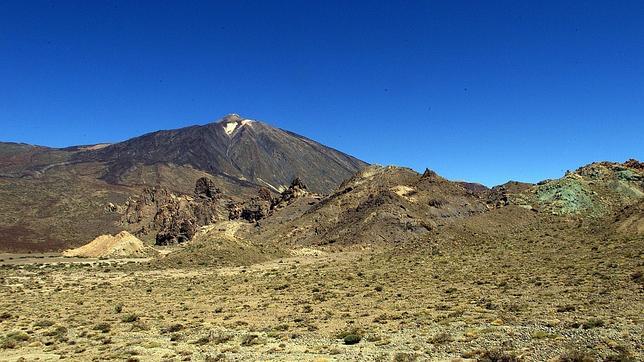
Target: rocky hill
[(594, 190), (378, 205)]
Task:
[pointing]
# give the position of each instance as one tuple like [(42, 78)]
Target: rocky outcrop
[(262, 206), (633, 163), (506, 194), (205, 188), (175, 218), (379, 204), (296, 190), (255, 210)]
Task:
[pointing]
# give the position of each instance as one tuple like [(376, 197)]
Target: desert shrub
[(622, 356), (542, 335), (566, 308), (249, 340), (8, 343), (59, 332), (281, 327), (103, 327), (492, 356), (212, 337), (118, 308), (441, 338), (404, 357), (576, 356), (344, 333), (203, 340), (44, 323), (593, 323), (129, 318), (172, 329), (139, 326), (350, 339), (13, 338), (219, 338), (18, 336)]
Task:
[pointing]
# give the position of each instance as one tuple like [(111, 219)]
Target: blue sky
[(484, 91)]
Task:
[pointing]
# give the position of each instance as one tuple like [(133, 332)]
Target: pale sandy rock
[(121, 245)]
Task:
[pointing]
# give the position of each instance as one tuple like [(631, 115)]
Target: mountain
[(233, 148), (55, 198)]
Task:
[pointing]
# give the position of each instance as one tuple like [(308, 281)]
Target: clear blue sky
[(479, 90)]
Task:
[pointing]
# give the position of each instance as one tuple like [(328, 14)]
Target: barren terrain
[(562, 295)]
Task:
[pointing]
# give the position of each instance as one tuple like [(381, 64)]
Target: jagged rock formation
[(206, 189), (174, 218), (263, 205)]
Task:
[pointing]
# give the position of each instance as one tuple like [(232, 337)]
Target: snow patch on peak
[(230, 127)]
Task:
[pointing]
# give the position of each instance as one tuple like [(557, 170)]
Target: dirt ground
[(532, 301)]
